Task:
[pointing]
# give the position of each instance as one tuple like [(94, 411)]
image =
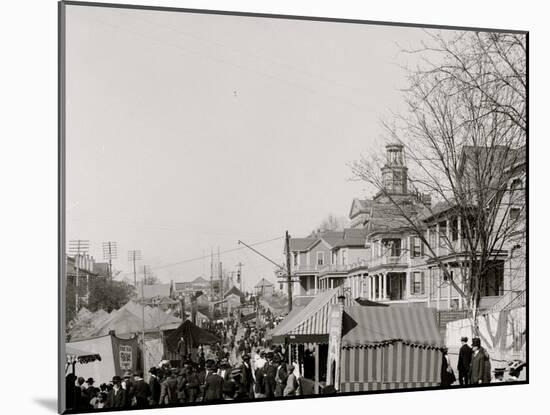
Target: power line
[(185, 261)]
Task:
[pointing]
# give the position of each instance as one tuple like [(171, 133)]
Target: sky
[(188, 132)]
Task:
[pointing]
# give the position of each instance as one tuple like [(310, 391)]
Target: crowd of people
[(241, 366)]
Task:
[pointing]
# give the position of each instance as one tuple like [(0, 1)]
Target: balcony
[(389, 261)]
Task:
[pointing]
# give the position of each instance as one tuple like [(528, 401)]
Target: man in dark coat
[(281, 376), (480, 367), (154, 386), (270, 370), (169, 389), (193, 384), (213, 384), (128, 386), (141, 391), (247, 379), (117, 395), (464, 360)]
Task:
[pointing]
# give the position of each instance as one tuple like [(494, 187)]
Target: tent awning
[(373, 326), (309, 324), (73, 354)]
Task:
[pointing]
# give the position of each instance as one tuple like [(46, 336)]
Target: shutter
[(411, 246), (421, 248), (411, 282), (422, 283)]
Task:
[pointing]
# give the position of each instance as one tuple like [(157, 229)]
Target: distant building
[(264, 288)]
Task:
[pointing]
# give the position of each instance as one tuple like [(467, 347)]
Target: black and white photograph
[(262, 207)]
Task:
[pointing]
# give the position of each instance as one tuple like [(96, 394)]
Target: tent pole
[(316, 369)]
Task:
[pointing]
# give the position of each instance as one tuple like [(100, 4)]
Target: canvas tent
[(193, 335), (389, 348), (117, 356)]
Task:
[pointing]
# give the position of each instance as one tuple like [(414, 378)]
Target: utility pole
[(134, 256), (220, 275), (288, 271), (211, 274), (78, 247), (110, 253), (143, 315)]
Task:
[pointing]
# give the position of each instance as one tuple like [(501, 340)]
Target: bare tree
[(463, 132), (333, 223)]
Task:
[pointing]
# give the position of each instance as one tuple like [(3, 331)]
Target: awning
[(310, 324), (375, 326), (76, 355)]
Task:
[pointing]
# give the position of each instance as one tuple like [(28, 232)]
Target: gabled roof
[(234, 290), (375, 326), (264, 283), (200, 280), (360, 206), (352, 238), (301, 244)]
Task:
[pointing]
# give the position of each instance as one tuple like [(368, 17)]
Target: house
[(383, 258), (233, 298), (188, 288), (264, 288), (323, 259)]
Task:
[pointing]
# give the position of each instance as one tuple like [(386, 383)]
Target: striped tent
[(389, 348), (310, 323)]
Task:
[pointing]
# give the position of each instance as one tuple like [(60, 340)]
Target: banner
[(334, 344)]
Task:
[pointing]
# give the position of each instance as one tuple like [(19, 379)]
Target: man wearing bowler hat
[(464, 360), (117, 395), (213, 383), (247, 378), (480, 366)]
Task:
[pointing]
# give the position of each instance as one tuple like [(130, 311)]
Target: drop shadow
[(48, 403)]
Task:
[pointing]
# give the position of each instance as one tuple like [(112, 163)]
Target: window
[(416, 247), (514, 214), (454, 229), (516, 185), (320, 259), (392, 247), (296, 258), (448, 274), (344, 257), (443, 234), (417, 286)]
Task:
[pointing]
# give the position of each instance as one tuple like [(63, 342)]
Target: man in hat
[(168, 388), (247, 378), (154, 386), (142, 393), (281, 376), (193, 384), (225, 369), (270, 370), (128, 386), (117, 395), (291, 382), (480, 366), (464, 360), (213, 383)]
